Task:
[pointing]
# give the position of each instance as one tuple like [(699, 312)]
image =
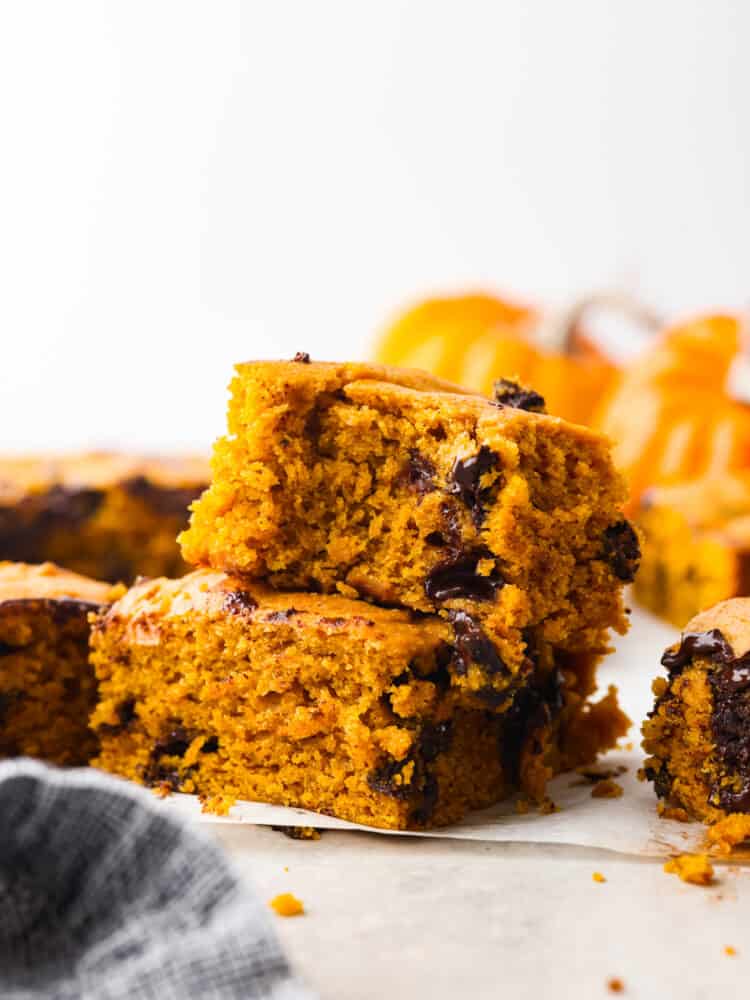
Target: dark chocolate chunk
[(6, 649), (458, 577), (706, 645), (730, 727), (508, 393), (430, 794), (302, 357), (622, 550), (473, 645), (435, 538), (419, 473), (384, 779), (534, 706), (466, 476), (239, 602), (125, 712), (174, 744), (211, 745)]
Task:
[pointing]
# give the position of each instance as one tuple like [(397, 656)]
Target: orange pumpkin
[(672, 417), (475, 339)]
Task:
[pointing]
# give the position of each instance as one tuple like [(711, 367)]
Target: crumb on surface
[(728, 832), (615, 985), (522, 806), (606, 789), (676, 813), (298, 832), (548, 806), (693, 868), (730, 950), (287, 905), (598, 877)]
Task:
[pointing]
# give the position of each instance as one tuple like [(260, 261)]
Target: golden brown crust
[(732, 618)]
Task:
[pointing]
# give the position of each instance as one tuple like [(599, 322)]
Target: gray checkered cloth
[(104, 896)]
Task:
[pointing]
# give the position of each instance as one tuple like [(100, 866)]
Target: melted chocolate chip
[(508, 393), (125, 712), (419, 473), (239, 602), (211, 745), (706, 645), (622, 550), (473, 645), (175, 744), (458, 577), (466, 476), (730, 727), (534, 705), (302, 357), (435, 538), (384, 779), (6, 649)]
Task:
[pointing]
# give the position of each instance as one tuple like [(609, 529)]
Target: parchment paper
[(628, 824)]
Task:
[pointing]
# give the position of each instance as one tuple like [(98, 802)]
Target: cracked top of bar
[(402, 489)]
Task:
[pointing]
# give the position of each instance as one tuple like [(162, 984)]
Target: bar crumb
[(598, 877), (606, 789), (287, 905), (693, 868)]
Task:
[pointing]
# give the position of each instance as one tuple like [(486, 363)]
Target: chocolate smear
[(466, 476), (508, 393), (458, 577)]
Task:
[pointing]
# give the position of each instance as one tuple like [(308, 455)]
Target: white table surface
[(400, 917)]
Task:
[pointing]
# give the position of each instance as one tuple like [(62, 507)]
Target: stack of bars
[(403, 590)]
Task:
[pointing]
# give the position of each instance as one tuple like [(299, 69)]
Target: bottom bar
[(212, 685)]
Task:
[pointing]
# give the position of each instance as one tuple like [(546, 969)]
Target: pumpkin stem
[(559, 330)]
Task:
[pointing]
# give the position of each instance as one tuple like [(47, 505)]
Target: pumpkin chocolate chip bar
[(47, 688), (398, 488), (109, 516), (218, 686), (698, 736)]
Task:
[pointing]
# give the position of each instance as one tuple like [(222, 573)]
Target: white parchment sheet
[(628, 824)]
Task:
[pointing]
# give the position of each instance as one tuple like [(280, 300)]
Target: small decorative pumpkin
[(672, 417), (475, 339)]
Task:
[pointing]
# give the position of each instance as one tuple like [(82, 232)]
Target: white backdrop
[(184, 185)]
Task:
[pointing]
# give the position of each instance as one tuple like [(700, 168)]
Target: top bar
[(399, 488)]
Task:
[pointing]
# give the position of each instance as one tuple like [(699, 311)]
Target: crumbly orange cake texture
[(696, 546), (401, 489), (47, 687), (693, 868), (698, 736), (232, 690), (109, 516)]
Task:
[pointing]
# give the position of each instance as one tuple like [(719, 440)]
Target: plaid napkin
[(104, 896)]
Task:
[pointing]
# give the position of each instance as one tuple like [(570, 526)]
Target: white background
[(184, 185)]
